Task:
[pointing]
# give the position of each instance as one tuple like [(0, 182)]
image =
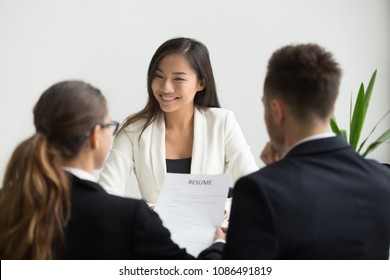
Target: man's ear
[(94, 138), (278, 110)]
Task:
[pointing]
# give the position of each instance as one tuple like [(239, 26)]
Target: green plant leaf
[(344, 134), (350, 109), (365, 140), (377, 142), (357, 120), (368, 94), (335, 128)]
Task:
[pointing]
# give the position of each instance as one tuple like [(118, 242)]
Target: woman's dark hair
[(35, 196), (198, 57)]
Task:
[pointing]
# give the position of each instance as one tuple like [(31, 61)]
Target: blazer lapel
[(158, 151), (199, 146)]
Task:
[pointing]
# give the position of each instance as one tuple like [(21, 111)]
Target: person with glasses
[(51, 205), (182, 128), (113, 125)]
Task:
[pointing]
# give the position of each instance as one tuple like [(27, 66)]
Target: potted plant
[(356, 122)]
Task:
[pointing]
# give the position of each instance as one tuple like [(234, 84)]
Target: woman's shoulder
[(118, 203)]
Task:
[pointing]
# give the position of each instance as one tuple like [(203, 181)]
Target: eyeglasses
[(113, 125)]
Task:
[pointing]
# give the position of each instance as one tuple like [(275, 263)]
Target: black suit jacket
[(104, 226), (322, 201)]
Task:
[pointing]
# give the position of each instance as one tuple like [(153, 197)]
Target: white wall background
[(109, 43)]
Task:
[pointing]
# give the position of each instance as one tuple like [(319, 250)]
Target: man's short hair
[(306, 77)]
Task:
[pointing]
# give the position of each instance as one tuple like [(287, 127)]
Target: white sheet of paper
[(192, 207)]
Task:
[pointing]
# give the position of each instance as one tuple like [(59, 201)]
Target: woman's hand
[(220, 234)]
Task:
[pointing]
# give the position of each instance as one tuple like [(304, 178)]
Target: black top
[(182, 165)]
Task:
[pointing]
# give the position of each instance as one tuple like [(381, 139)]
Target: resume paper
[(192, 208)]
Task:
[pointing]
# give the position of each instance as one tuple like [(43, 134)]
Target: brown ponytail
[(35, 193)]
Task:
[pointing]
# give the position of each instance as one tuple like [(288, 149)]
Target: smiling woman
[(175, 85), (181, 121)]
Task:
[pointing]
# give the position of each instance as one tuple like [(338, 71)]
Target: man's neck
[(296, 133)]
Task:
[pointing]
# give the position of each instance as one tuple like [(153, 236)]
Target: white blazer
[(219, 147)]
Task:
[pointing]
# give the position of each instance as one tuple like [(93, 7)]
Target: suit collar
[(85, 183), (79, 173), (318, 146), (306, 139)]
